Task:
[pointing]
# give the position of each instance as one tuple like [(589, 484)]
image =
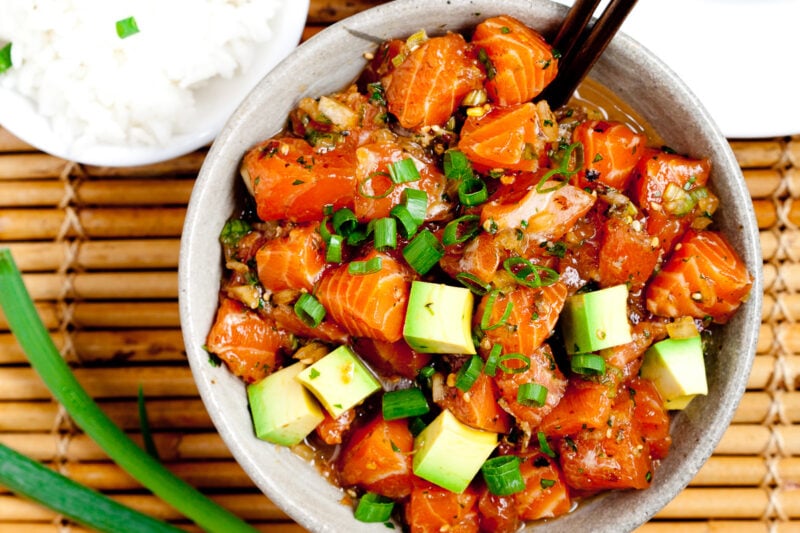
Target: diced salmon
[(249, 344), (432, 509), (704, 277), (585, 404), (627, 255), (611, 150), (286, 319), (368, 305), (429, 85), (544, 371), (546, 494), (616, 458), (477, 407), (332, 430), (294, 261), (377, 458), (542, 216), (480, 257), (382, 62), (627, 357), (651, 416), (520, 62), (391, 358), (498, 514), (534, 313), (290, 181), (372, 176), (511, 137)]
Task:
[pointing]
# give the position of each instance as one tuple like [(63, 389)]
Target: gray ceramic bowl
[(328, 62)]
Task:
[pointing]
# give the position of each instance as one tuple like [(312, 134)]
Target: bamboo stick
[(50, 193), (762, 183), (108, 315), (188, 164), (29, 224), (168, 414), (731, 471), (10, 143), (103, 285), (757, 154), (781, 306), (752, 439), (704, 503), (793, 150), (329, 11), (128, 254), (766, 337), (22, 383), (31, 166), (171, 446), (761, 373), (766, 214), (711, 526), (780, 246)]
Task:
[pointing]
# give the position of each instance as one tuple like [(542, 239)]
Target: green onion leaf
[(408, 225), (561, 170), (144, 424), (544, 445), (469, 226), (532, 394), (333, 251), (374, 508), (404, 171), (127, 27), (427, 371), (416, 425), (487, 312), (362, 268), (490, 368), (502, 475), (385, 234), (472, 192), (503, 363), (324, 230), (309, 310), (588, 364), (404, 403), (44, 357), (468, 373), (530, 274), (344, 222), (233, 231), (416, 202), (362, 186), (424, 252), (5, 58), (473, 283), (456, 165)]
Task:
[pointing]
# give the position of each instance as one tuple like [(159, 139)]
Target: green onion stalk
[(44, 357)]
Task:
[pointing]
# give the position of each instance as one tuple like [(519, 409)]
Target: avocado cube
[(596, 320), (677, 369), (339, 380), (283, 411), (449, 453), (438, 319)]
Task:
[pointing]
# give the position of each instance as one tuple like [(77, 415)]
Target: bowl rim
[(642, 504)]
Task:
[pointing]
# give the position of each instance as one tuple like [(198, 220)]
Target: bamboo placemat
[(99, 250)]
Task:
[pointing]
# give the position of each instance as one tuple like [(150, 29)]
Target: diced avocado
[(596, 320), (283, 410), (339, 380), (677, 369), (438, 319), (449, 453)]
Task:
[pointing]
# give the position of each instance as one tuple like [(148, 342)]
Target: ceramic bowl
[(328, 62)]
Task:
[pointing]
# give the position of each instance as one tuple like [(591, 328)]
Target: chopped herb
[(597, 157), (483, 57), (5, 58), (127, 27), (505, 29), (376, 93), (313, 373), (233, 231), (298, 182), (547, 483), (556, 249)]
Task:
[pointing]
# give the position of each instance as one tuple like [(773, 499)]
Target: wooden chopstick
[(585, 48)]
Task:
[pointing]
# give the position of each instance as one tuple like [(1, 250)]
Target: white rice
[(98, 88)]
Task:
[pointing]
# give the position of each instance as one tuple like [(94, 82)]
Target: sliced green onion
[(544, 445), (502, 475), (546, 483), (561, 170), (427, 371), (404, 403), (489, 308), (456, 165), (588, 364), (416, 425), (233, 231), (502, 363), (362, 268), (469, 226), (404, 171), (333, 251), (522, 269), (127, 27), (369, 179), (424, 252), (473, 283), (385, 234), (24, 322), (374, 508), (468, 373), (144, 425), (39, 483), (5, 58), (416, 201), (472, 192), (490, 368), (344, 221), (323, 229), (408, 226), (357, 237), (532, 394), (310, 311)]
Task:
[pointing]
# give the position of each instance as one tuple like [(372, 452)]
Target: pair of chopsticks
[(582, 43)]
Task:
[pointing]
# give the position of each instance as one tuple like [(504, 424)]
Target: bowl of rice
[(135, 82)]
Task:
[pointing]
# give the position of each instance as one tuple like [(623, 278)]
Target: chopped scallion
[(309, 310), (489, 309), (424, 252), (530, 274), (333, 251), (472, 192), (502, 475), (532, 394), (344, 221), (404, 171), (5, 58), (469, 226), (516, 368), (127, 27), (404, 403), (416, 425), (362, 268), (374, 508), (416, 201), (369, 181), (544, 445), (385, 234), (456, 165), (408, 226), (588, 364), (468, 373), (473, 283), (490, 367)]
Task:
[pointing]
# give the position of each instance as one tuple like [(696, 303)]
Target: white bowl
[(215, 101), (328, 62)]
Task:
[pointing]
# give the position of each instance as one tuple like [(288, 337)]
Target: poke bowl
[(303, 477)]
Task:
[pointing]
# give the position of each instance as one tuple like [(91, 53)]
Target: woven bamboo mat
[(99, 251)]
